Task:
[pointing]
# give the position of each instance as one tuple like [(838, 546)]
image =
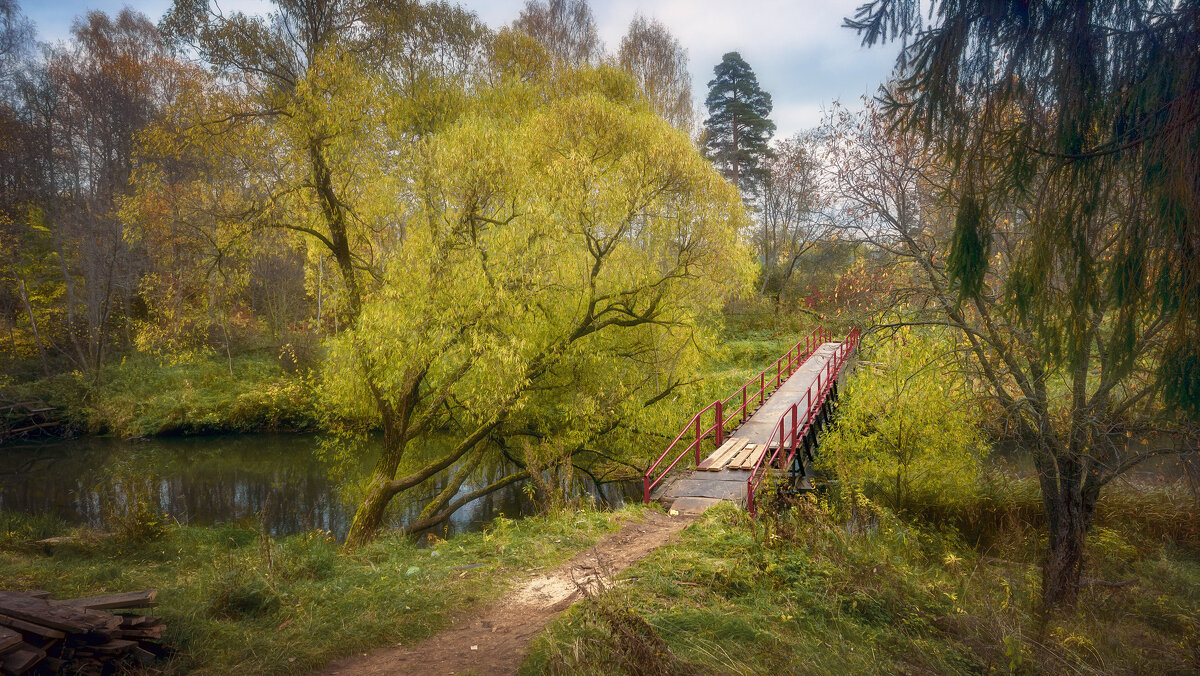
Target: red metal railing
[(784, 367), (785, 438)]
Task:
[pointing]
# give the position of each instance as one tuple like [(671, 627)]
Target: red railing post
[(782, 439), (792, 453), (720, 424), (743, 403), (646, 488), (762, 387)]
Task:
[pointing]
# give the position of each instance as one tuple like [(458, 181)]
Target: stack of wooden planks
[(76, 636), (721, 457), (736, 453), (748, 457)]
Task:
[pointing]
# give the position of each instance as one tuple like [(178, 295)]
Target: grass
[(197, 394), (238, 602), (804, 592)]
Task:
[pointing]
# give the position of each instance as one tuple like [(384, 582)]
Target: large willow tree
[(1066, 136), (564, 258)]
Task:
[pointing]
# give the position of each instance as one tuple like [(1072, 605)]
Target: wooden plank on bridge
[(751, 458), (722, 456), (741, 456)]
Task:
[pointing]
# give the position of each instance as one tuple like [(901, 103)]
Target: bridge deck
[(699, 489)]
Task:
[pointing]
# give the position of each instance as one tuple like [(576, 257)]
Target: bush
[(905, 429)]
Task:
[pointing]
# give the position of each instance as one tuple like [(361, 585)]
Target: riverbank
[(143, 395), (238, 601), (202, 393), (819, 590)]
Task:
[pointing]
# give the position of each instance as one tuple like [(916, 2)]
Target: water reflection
[(211, 480)]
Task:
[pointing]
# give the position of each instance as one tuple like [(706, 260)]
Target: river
[(222, 479)]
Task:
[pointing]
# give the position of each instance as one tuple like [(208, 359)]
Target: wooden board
[(9, 640), (30, 628), (737, 448), (736, 461), (47, 636), (56, 615), (752, 458), (137, 599), (707, 462), (21, 660), (720, 458)]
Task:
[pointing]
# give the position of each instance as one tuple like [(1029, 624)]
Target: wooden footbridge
[(774, 420)]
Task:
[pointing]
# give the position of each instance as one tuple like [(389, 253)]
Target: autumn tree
[(659, 64), (906, 429), (1072, 132), (71, 118), (1073, 411), (565, 258), (737, 132), (566, 28), (302, 105), (792, 217)]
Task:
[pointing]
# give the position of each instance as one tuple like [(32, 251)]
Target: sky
[(798, 49)]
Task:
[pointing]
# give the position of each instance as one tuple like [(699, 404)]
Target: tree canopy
[(659, 64), (738, 130), (1101, 98)]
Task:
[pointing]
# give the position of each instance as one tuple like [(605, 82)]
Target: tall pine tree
[(737, 131)]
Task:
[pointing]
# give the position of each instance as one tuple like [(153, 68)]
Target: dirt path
[(493, 640)]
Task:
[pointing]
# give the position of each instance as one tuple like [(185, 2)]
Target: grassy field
[(819, 590), (236, 601)]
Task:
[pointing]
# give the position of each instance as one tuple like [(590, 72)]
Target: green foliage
[(1105, 185), (967, 262), (565, 259), (1180, 374), (905, 430), (240, 594)]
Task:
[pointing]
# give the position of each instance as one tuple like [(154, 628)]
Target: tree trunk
[(369, 515), (1064, 556), (37, 336)]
